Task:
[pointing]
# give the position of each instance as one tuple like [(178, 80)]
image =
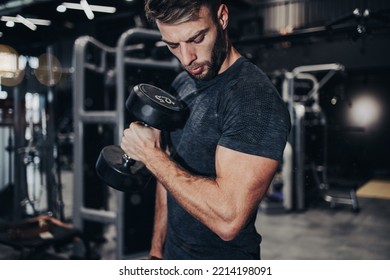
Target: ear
[(223, 16)]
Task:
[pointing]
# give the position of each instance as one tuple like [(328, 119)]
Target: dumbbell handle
[(127, 161)]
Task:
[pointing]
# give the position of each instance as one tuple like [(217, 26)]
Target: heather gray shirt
[(241, 110)]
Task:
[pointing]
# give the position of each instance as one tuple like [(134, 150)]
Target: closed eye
[(173, 46), (199, 39)]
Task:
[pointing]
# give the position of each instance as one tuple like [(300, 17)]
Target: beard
[(218, 55)]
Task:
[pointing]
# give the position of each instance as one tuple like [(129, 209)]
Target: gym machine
[(31, 202), (126, 60), (306, 114)]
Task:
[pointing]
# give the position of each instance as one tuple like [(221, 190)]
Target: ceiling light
[(86, 7), (3, 95), (9, 63), (61, 9), (10, 24), (29, 22), (26, 22), (9, 69)]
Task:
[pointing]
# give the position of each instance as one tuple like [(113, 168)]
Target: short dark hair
[(178, 11)]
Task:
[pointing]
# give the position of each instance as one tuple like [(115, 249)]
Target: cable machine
[(306, 114)]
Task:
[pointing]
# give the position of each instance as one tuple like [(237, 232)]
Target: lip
[(196, 71)]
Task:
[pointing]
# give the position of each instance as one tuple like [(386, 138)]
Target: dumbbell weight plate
[(114, 173), (155, 107)]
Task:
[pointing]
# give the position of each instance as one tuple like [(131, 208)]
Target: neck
[(231, 57)]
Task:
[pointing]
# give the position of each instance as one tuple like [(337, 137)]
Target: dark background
[(276, 35)]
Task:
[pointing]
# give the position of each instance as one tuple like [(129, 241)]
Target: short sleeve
[(255, 120)]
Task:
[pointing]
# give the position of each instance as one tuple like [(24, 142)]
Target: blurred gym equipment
[(108, 75), (307, 149), (33, 192)]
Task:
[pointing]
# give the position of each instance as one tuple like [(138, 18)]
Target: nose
[(188, 54)]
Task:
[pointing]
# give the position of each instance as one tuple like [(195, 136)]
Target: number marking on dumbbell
[(164, 99)]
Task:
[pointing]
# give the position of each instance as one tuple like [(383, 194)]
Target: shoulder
[(253, 95), (248, 81), (246, 75), (244, 66)]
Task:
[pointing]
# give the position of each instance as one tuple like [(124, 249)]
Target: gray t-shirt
[(241, 110)]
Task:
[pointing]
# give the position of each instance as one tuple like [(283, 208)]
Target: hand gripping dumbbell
[(153, 107)]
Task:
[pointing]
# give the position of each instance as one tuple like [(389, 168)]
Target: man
[(223, 160)]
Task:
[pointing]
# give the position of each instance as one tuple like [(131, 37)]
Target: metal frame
[(294, 163), (130, 39)]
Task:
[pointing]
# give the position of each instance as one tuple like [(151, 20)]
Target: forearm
[(160, 223)]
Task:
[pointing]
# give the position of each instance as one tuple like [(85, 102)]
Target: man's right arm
[(160, 223)]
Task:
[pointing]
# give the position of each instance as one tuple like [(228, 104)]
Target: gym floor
[(318, 233)]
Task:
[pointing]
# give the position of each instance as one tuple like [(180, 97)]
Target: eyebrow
[(191, 39)]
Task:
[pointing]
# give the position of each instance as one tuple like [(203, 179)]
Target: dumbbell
[(153, 107)]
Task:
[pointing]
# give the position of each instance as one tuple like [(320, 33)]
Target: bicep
[(245, 178)]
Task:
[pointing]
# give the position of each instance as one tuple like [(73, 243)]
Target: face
[(200, 45)]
